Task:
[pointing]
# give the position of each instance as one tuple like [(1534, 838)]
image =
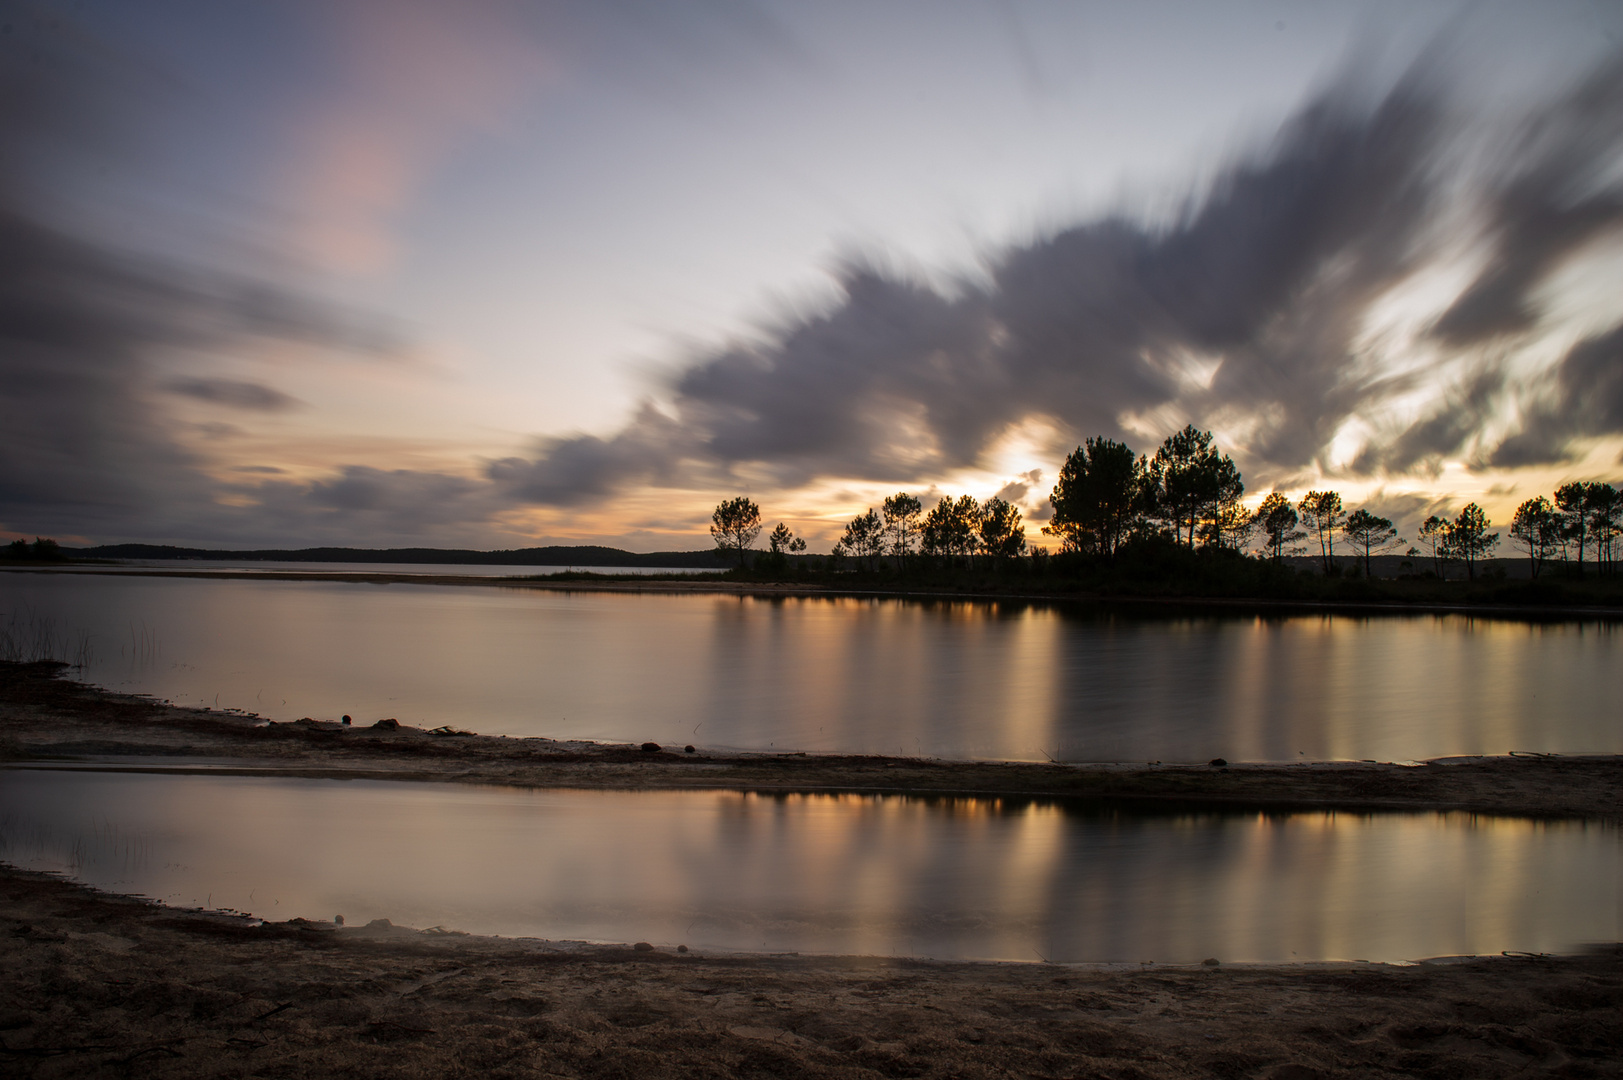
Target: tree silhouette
[(41, 550), (1469, 539), (864, 538), (952, 527), (1002, 535), (781, 541), (1572, 502), (1230, 527), (1605, 509), (1434, 534), (1537, 528), (735, 525), (1096, 498), (1370, 533), (1192, 482), (901, 512), (1277, 519), (1322, 512)]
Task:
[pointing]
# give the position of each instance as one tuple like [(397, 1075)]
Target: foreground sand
[(94, 985)]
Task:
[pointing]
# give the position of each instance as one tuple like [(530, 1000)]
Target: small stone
[(1218, 761), (688, 749), (650, 748), (1211, 961), (681, 948), (347, 720), (391, 724), (379, 924), (643, 946), (338, 920)]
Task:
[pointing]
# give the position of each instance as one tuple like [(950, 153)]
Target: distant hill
[(585, 555)]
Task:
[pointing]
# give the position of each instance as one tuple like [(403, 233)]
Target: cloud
[(1253, 304), (1015, 491), (407, 79), (1250, 304), (1557, 194), (1587, 401), (233, 393), (1448, 431), (1265, 282), (87, 329)]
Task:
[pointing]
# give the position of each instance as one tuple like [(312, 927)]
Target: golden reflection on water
[(870, 675), (963, 877)]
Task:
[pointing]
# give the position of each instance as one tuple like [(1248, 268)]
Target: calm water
[(829, 874), (204, 566), (965, 680)]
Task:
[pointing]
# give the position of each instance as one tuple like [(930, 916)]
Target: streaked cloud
[(1264, 283), (186, 391), (232, 393)]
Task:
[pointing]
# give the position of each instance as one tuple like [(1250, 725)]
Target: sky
[(498, 274)]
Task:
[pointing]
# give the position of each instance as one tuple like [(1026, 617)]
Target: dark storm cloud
[(88, 445), (1268, 276), (1272, 269), (233, 393), (377, 506), (75, 325)]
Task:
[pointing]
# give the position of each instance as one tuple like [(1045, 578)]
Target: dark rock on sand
[(650, 747), (391, 724)]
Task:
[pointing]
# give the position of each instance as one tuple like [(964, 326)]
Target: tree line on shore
[(41, 550), (1108, 499)]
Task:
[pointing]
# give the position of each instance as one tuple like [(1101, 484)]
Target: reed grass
[(28, 637)]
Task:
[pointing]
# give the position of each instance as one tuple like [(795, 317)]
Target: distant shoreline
[(586, 581)]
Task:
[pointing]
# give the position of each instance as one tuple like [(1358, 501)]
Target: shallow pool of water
[(963, 878)]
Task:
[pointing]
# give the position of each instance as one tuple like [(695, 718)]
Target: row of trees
[(40, 550), (953, 529), (1466, 538), (1582, 517), (1189, 493)]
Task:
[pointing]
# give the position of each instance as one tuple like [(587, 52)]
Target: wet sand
[(95, 985)]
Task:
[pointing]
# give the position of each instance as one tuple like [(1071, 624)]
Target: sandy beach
[(98, 985), (106, 985)]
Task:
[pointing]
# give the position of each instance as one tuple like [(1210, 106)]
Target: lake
[(995, 680), (845, 874)]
